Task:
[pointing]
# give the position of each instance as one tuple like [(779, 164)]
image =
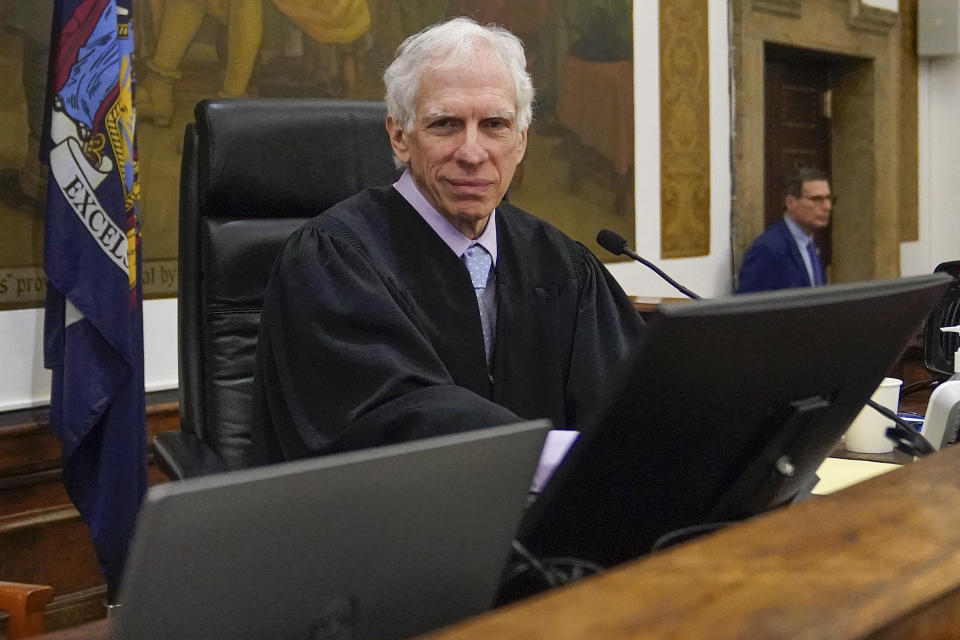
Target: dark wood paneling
[(42, 539)]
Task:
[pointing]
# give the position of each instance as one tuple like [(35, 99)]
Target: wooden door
[(797, 128)]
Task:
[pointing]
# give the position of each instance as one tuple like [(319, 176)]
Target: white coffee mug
[(867, 432)]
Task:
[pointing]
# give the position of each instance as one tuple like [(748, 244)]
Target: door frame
[(872, 164)]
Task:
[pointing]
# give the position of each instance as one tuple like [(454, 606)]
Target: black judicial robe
[(370, 333)]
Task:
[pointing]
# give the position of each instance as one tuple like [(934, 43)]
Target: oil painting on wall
[(578, 171)]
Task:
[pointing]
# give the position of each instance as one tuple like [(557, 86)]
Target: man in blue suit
[(785, 255)]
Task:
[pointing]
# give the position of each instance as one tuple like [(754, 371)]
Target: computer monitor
[(383, 543), (732, 405)]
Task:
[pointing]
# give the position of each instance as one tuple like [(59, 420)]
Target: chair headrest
[(280, 157)]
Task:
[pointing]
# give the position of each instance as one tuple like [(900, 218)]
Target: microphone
[(615, 244)]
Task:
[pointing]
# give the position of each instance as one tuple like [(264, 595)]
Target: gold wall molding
[(684, 129), (909, 178)]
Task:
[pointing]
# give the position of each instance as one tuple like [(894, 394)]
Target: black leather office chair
[(939, 347), (252, 172)]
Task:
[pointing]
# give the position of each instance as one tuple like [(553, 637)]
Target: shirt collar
[(457, 242), (801, 238)]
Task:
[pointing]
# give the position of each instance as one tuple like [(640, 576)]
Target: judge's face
[(811, 211), (464, 145)]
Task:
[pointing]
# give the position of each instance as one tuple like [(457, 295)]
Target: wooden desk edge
[(878, 560), (649, 304)]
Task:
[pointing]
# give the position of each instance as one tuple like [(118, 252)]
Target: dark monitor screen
[(732, 406)]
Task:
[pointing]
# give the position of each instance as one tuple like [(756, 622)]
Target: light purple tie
[(479, 261)]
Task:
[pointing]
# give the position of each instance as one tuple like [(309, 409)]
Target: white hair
[(453, 44)]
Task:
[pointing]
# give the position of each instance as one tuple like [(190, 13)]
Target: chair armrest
[(25, 604), (180, 455)]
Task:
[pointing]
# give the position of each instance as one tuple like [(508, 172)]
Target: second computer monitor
[(732, 406)]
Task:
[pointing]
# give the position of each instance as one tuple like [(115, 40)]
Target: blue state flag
[(93, 332)]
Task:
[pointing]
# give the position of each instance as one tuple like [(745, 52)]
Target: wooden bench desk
[(879, 560)]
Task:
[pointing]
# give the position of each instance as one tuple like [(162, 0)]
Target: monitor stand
[(757, 487)]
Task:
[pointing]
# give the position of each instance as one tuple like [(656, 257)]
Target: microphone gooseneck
[(611, 241), (615, 244)]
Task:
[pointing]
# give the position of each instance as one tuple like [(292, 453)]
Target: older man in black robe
[(432, 306)]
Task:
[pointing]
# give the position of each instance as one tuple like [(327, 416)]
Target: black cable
[(919, 386), (533, 562), (905, 436), (554, 572), (681, 535), (568, 570)]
